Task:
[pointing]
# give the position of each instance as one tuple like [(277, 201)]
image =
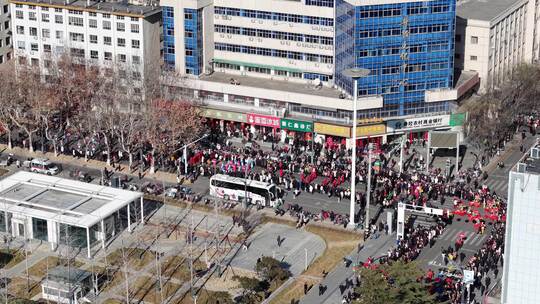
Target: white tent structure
[(64, 211)]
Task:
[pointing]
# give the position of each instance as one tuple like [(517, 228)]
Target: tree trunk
[(55, 148), (30, 143), (130, 159), (9, 143), (152, 163)]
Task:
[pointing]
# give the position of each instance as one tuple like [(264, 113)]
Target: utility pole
[(191, 257), (125, 272), (368, 192), (402, 143)]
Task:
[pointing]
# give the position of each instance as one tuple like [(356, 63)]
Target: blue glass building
[(408, 47)]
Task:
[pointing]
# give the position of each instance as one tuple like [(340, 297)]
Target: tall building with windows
[(287, 58), (522, 240), (6, 48), (114, 35)]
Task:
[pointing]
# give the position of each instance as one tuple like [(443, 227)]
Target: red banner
[(263, 120)]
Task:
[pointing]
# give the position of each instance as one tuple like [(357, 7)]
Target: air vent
[(521, 167), (535, 153)]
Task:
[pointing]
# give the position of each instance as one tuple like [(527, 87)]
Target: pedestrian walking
[(279, 240), (305, 288), (321, 289)]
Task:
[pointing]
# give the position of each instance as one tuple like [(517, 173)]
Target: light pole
[(354, 73), (368, 191), (185, 153)]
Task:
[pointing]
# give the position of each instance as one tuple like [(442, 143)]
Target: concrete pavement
[(332, 295)]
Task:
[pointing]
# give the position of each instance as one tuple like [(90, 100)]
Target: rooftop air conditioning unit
[(535, 153)]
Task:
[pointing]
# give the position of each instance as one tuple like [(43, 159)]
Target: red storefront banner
[(263, 120)]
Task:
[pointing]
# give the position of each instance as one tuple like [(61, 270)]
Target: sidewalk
[(372, 248), (91, 163)]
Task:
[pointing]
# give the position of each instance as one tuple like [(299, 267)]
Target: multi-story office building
[(108, 34), (6, 49), (492, 39), (287, 58), (522, 242)]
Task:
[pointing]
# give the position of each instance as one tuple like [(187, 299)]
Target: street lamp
[(354, 73), (185, 152)]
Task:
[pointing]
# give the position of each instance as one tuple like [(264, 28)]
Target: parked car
[(44, 166), (80, 175)]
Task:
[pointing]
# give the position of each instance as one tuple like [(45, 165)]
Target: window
[(94, 54), (92, 23), (119, 17), (33, 31), (59, 49), (121, 27), (188, 16), (34, 47), (474, 39), (76, 21), (136, 44), (22, 60), (18, 5), (106, 16), (474, 58), (47, 64), (1, 43), (45, 17), (121, 57), (134, 28), (77, 52), (58, 19), (107, 56), (45, 9), (19, 15), (74, 12), (136, 75), (33, 62), (46, 33), (32, 16), (6, 25), (136, 59), (78, 37), (47, 48), (6, 9), (121, 42), (93, 39), (20, 30), (106, 25), (134, 19), (92, 14), (57, 10), (59, 35), (8, 42), (21, 45), (107, 40)]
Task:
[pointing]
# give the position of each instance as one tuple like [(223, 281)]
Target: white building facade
[(521, 284), (102, 33), (6, 49), (493, 39)]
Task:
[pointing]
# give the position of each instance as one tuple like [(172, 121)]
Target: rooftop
[(115, 8), (64, 200), (486, 10), (272, 84), (530, 162)]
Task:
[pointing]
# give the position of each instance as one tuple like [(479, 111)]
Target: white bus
[(236, 189)]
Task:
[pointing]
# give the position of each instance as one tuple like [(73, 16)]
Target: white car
[(44, 166)]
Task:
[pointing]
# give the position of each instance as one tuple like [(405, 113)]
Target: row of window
[(398, 31), (277, 72), (323, 3), (74, 12), (273, 53), (229, 11), (396, 50), (410, 68), (392, 12), (78, 37), (273, 34), (79, 21), (76, 52)]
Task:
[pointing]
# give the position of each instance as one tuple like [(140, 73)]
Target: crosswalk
[(500, 186), (472, 239)]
